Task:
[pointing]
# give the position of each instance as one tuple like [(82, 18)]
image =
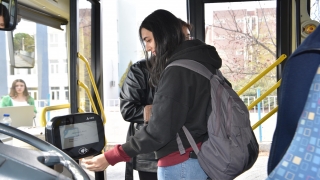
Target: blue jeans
[(187, 170)]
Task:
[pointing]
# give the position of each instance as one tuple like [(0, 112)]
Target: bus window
[(244, 34), (121, 44), (47, 78), (315, 10), (85, 50)]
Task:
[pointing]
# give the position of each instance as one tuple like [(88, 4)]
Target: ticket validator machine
[(77, 135), (69, 138)]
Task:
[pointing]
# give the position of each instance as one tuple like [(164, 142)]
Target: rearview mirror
[(21, 44), (8, 15)]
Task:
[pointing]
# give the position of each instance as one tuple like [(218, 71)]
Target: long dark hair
[(5, 13), (167, 34), (13, 92)]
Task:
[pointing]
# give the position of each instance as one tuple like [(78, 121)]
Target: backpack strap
[(180, 145), (194, 66), (201, 69)]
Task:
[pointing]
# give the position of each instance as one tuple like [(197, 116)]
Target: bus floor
[(257, 172)]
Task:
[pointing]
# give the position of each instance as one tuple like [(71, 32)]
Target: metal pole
[(259, 115)]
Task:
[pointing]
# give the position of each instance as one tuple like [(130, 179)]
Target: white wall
[(110, 50), (120, 22)]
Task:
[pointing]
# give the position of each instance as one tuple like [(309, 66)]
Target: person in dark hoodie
[(136, 97), (181, 99)]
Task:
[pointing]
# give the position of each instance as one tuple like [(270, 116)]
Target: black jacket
[(182, 98), (134, 96)]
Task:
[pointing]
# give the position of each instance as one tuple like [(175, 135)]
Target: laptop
[(20, 115)]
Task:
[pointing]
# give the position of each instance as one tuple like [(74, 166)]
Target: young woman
[(18, 96), (182, 99), (136, 97)]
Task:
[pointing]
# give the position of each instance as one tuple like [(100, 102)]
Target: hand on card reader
[(78, 135)]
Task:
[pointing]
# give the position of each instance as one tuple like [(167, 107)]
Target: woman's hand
[(97, 163), (147, 112)]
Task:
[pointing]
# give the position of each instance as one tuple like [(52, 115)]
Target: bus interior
[(74, 56)]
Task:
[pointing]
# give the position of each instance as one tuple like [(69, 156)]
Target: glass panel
[(33, 40), (85, 50), (314, 10), (244, 34)]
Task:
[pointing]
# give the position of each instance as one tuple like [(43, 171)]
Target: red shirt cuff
[(115, 155)]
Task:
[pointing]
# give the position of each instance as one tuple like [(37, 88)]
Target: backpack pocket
[(215, 154)]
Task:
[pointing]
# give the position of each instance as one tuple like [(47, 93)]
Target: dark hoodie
[(182, 98)]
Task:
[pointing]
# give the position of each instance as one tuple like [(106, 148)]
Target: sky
[(25, 26)]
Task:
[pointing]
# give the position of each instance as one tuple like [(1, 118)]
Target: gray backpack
[(231, 147)]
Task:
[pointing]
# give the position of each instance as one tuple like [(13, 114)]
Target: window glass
[(85, 50), (121, 44), (33, 41), (314, 10), (244, 34)]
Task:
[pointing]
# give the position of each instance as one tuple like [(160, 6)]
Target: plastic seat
[(302, 159)]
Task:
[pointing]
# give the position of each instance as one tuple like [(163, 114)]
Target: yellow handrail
[(264, 95), (259, 76), (93, 85), (88, 93), (257, 124), (43, 120)]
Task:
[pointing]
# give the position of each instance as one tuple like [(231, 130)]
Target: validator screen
[(78, 134)]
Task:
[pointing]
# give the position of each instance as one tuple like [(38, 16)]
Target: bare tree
[(85, 50), (246, 41)]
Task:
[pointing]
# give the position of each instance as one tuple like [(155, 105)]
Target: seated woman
[(19, 96)]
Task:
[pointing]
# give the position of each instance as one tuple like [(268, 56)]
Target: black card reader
[(78, 135)]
